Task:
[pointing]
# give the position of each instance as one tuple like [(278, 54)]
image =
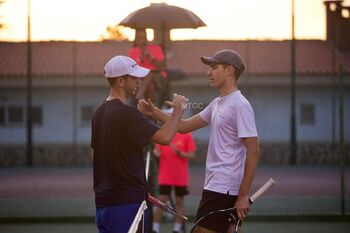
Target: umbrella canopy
[(162, 16)]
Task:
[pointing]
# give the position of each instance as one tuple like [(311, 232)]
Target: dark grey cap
[(226, 56)]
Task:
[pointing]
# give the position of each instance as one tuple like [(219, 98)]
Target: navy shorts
[(212, 201), (116, 219), (180, 191)]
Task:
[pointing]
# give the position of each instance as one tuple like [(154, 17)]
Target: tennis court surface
[(55, 199)]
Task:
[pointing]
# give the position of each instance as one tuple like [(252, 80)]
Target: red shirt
[(154, 50), (173, 169)]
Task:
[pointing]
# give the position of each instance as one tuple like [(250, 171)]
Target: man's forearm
[(188, 155), (169, 128), (249, 173), (160, 115), (250, 166), (164, 117)]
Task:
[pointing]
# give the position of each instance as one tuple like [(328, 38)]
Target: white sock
[(177, 227), (156, 226)]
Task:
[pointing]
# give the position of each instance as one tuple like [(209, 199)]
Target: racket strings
[(222, 218)]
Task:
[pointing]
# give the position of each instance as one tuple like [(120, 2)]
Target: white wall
[(271, 105), (14, 134), (57, 109)]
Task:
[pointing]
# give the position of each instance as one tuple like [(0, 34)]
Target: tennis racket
[(230, 215), (172, 203), (165, 207)]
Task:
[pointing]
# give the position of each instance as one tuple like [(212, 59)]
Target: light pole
[(29, 145), (341, 141), (293, 130)]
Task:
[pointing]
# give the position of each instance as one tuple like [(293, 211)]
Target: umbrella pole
[(163, 33)]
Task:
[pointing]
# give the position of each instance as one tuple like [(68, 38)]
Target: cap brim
[(140, 72), (209, 60)]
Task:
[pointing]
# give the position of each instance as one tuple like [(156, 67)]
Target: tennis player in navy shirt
[(119, 134)]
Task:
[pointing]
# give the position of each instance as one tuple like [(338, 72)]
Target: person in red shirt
[(151, 56), (173, 174)]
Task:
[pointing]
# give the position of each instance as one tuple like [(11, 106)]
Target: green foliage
[(1, 24), (114, 32)]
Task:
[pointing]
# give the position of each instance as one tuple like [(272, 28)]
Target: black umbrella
[(162, 16)]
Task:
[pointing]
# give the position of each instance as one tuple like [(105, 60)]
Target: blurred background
[(297, 55)]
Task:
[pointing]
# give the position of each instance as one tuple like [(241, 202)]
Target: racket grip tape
[(262, 190)]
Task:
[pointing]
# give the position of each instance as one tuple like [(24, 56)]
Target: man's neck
[(117, 94), (227, 89)]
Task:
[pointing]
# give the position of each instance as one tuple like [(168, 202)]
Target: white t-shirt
[(231, 118)]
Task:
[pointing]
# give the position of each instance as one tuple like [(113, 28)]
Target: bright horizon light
[(86, 20)]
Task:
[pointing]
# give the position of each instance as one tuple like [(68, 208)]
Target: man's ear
[(120, 82), (230, 69)]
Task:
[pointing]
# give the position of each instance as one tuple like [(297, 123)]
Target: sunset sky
[(226, 19)]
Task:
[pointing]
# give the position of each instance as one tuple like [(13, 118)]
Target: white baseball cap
[(123, 65)]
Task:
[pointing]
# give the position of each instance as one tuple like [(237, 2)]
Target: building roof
[(313, 57)]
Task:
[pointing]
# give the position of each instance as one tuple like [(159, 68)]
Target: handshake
[(179, 104), (178, 101), (171, 123)]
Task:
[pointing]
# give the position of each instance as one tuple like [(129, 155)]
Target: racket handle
[(262, 190)]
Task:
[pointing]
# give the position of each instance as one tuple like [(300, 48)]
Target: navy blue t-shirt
[(119, 134)]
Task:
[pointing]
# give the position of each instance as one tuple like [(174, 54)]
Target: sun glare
[(226, 19)]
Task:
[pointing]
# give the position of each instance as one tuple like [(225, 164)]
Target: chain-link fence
[(62, 105)]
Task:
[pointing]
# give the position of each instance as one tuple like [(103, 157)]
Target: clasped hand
[(148, 108)]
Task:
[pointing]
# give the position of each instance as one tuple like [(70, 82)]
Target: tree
[(1, 24), (113, 32)]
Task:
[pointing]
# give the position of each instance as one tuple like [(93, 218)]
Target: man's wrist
[(179, 105), (242, 195)]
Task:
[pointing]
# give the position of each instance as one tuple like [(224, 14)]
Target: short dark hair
[(237, 73), (112, 81)]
